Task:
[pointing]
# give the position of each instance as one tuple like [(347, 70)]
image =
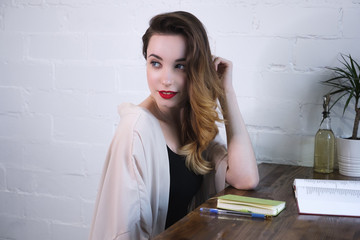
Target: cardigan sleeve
[(117, 208), (132, 201)]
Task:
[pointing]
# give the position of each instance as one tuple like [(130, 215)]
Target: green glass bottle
[(324, 152)]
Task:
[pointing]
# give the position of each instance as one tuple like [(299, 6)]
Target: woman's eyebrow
[(180, 60), (156, 56), (160, 58)]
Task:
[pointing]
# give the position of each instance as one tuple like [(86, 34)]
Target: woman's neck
[(170, 121), (166, 115)]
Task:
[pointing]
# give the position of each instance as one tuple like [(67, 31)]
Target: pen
[(234, 213)]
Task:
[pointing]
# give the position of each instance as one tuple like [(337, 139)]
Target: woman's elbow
[(245, 183)]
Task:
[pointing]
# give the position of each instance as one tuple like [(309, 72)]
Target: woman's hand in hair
[(242, 172), (224, 69)]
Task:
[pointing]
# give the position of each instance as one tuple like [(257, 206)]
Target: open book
[(250, 204), (327, 197)]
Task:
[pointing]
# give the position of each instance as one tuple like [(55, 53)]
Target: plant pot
[(348, 155)]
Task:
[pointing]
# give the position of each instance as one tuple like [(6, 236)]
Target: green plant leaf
[(346, 82), (338, 99), (348, 101)]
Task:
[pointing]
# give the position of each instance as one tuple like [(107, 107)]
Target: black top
[(184, 184)]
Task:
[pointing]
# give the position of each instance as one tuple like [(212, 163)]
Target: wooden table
[(275, 183)]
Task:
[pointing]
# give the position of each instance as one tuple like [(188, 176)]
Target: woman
[(165, 157)]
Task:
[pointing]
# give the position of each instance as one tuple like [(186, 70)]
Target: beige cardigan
[(133, 194)]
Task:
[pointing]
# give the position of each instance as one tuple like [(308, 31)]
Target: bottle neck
[(326, 121)]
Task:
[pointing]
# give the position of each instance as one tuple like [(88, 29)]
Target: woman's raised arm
[(242, 172)]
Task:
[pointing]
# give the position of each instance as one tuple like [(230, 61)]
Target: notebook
[(250, 204)]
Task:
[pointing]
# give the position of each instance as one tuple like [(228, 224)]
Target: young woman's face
[(165, 68)]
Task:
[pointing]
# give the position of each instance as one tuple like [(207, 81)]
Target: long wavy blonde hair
[(204, 86)]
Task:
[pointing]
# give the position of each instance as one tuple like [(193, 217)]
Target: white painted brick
[(350, 46), (53, 208), (11, 151), (94, 78), (240, 16), (104, 105), (132, 78), (14, 102), (306, 155), (144, 12), (50, 183), (94, 157), (11, 47), (311, 115), (2, 179), (82, 130), (28, 2), (12, 204), (350, 17), (69, 3), (33, 19), (88, 211), (135, 97), (52, 2), (1, 21), (13, 227), (248, 106), (6, 3), (70, 232), (89, 188), (80, 190), (113, 47), (65, 158), (125, 3), (26, 184), (61, 46), (280, 148), (27, 75), (253, 52), (60, 103), (100, 18), (324, 52), (298, 21), (31, 128), (300, 87), (274, 114), (245, 82)]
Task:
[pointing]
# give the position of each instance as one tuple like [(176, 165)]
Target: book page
[(328, 197), (337, 184)]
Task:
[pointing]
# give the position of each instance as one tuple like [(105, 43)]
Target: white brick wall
[(65, 65)]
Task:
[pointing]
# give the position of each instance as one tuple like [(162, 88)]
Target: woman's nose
[(167, 78)]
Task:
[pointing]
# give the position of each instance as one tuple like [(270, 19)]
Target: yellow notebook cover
[(250, 204)]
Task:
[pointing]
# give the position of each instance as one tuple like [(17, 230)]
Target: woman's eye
[(180, 66), (155, 64)]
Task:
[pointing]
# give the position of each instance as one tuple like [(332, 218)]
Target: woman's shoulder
[(130, 110), (137, 118), (138, 127)]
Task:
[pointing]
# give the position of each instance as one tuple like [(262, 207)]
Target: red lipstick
[(167, 94)]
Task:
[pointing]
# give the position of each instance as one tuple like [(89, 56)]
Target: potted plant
[(346, 84)]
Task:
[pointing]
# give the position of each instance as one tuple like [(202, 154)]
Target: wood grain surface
[(275, 183)]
